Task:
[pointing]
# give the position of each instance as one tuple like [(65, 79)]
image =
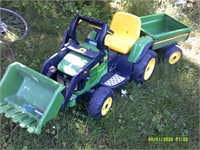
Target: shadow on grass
[(166, 106)]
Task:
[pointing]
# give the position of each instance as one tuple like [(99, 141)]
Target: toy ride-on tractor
[(107, 59)]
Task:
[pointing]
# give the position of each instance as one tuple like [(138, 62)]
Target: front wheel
[(144, 68), (100, 103)]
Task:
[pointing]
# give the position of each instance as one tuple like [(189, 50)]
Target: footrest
[(114, 80)]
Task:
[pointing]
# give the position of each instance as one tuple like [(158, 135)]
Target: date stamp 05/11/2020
[(168, 139)]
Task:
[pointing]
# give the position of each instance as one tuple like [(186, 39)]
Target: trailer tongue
[(29, 98)]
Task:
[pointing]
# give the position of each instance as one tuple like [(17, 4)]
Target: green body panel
[(72, 101), (95, 75), (29, 97), (162, 26), (162, 43), (92, 35), (73, 63), (164, 29), (90, 46), (138, 48)]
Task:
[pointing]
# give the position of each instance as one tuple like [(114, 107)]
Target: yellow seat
[(126, 29)]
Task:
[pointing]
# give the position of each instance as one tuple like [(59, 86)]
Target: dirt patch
[(191, 47)]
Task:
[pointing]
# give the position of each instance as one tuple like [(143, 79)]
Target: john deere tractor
[(108, 58)]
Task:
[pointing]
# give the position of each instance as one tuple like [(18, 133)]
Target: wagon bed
[(164, 30)]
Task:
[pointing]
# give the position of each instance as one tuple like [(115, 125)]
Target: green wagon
[(165, 31)]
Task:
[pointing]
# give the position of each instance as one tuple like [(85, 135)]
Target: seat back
[(126, 29), (126, 25)]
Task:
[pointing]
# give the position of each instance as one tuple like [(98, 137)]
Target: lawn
[(165, 107)]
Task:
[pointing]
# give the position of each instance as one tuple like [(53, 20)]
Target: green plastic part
[(73, 63), (72, 101), (95, 76), (24, 123), (92, 35), (164, 29), (138, 48), (5, 108), (20, 116), (29, 98), (90, 47), (11, 112)]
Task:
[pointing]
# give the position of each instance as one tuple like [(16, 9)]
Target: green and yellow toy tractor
[(108, 58)]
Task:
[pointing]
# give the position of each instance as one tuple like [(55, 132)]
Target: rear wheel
[(173, 55), (100, 103), (145, 67)]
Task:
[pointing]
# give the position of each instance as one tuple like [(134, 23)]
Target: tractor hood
[(73, 63)]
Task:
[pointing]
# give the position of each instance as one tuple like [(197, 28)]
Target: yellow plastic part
[(106, 106), (175, 57), (149, 68), (126, 29)]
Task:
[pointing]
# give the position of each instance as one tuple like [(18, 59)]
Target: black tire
[(172, 54), (100, 102), (143, 69)]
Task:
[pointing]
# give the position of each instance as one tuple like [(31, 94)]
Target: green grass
[(165, 106)]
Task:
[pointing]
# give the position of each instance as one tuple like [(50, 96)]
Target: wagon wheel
[(173, 55)]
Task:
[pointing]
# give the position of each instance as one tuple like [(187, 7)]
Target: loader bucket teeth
[(3, 103), (11, 112), (5, 108), (29, 98), (19, 117), (32, 127), (24, 123)]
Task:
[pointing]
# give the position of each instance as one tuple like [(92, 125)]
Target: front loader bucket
[(29, 98)]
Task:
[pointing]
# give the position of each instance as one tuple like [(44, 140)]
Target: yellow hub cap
[(149, 68), (175, 57), (106, 106)]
